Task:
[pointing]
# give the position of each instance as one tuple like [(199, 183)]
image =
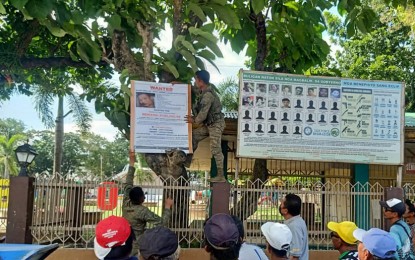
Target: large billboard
[(293, 117), (157, 117)]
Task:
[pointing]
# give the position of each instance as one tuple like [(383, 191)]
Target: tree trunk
[(58, 152)]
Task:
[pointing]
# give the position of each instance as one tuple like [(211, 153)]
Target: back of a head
[(113, 238), (378, 242), (278, 237), (159, 243), (203, 75), (411, 206), (239, 225), (222, 237), (136, 195), (293, 204)]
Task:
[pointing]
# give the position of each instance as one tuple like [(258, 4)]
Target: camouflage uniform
[(212, 123), (139, 215)]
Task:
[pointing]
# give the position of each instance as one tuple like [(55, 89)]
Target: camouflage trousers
[(214, 131)]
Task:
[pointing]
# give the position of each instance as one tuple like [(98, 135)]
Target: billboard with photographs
[(157, 117), (293, 117)]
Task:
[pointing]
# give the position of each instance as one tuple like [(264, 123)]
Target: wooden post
[(220, 197), (20, 210)]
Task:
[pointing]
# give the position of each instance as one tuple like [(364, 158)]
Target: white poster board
[(293, 117), (157, 117)]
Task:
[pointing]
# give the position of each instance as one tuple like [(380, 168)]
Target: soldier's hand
[(189, 119), (168, 203)]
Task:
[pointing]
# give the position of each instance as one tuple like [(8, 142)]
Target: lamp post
[(25, 155)]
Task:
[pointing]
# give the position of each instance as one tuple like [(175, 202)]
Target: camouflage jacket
[(138, 215), (208, 108)]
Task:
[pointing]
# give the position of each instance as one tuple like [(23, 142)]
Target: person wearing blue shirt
[(290, 209), (393, 210)]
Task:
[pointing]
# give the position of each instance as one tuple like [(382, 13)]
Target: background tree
[(8, 162), (10, 127), (385, 53), (229, 94)]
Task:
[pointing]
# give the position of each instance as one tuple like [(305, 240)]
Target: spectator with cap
[(393, 210), (409, 216), (278, 238), (375, 244), (222, 239), (159, 243), (290, 209), (114, 239), (343, 239), (248, 251)]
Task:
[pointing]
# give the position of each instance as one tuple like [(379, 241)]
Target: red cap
[(110, 232)]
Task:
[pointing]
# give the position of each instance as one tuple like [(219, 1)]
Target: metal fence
[(67, 211)]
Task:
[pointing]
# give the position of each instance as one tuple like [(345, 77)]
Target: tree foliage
[(8, 161), (386, 53), (86, 154), (229, 90)]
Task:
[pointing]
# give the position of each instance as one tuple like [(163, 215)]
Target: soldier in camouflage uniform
[(208, 114), (137, 214)]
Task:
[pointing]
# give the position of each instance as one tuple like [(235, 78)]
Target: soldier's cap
[(396, 205), (378, 242), (110, 233), (203, 75), (344, 230), (158, 242), (221, 231)]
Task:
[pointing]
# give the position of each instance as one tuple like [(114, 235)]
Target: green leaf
[(77, 17), (350, 29), (55, 30), (19, 4), (361, 25), (2, 9), (213, 46), (190, 58), (296, 54), (125, 88), (207, 35), (177, 42), (257, 5), (219, 2), (114, 21), (188, 46), (200, 63), (226, 14), (172, 69), (207, 54), (87, 52), (39, 8), (292, 5), (197, 11)]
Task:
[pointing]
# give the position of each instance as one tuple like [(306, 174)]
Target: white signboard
[(157, 117), (294, 117)]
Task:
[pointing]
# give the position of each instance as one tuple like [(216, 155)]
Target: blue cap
[(221, 231), (203, 75), (379, 242)]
